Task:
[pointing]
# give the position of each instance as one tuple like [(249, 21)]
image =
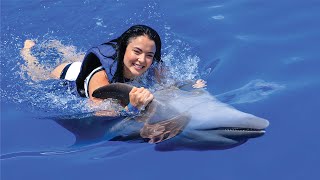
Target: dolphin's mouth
[(238, 133), (239, 129)]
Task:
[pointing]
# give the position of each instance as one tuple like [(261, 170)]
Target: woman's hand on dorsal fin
[(140, 97)]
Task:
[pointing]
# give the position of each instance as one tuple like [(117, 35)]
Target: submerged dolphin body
[(174, 120), (178, 120)]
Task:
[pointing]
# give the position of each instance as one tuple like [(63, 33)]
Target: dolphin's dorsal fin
[(119, 91), (164, 130)]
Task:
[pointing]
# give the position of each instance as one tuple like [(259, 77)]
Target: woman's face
[(138, 56)]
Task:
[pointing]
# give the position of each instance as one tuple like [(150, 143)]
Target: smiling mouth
[(137, 66)]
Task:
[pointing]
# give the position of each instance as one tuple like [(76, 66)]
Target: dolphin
[(175, 120)]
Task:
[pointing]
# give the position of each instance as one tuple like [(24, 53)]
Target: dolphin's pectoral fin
[(164, 130)]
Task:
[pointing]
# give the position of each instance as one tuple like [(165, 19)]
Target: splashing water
[(50, 96), (55, 97)]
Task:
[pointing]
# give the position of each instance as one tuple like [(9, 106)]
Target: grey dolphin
[(174, 120), (183, 120)]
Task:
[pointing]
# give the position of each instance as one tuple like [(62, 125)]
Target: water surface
[(269, 67)]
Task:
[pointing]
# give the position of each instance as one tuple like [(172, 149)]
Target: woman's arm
[(98, 80)]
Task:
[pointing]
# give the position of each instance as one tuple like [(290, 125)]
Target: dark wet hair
[(124, 40)]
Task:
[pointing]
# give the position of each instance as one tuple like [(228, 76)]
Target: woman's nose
[(142, 58)]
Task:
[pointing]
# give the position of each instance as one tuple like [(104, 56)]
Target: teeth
[(138, 66)]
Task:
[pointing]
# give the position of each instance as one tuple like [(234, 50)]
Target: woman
[(135, 52), (120, 60)]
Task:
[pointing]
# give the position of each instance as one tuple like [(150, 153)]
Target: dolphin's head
[(215, 125), (227, 135), (216, 135)]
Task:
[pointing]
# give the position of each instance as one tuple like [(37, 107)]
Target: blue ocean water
[(269, 67)]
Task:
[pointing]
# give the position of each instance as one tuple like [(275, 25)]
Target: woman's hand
[(200, 83), (140, 97)]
